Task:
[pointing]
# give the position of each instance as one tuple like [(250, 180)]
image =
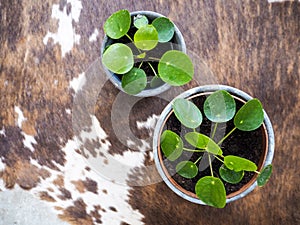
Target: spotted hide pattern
[(71, 139)]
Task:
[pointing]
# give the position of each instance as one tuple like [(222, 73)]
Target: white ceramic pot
[(178, 41), (268, 151)]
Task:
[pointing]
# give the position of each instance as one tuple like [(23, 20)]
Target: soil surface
[(244, 144)]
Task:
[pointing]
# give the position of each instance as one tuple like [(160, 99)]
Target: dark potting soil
[(157, 53), (244, 144)]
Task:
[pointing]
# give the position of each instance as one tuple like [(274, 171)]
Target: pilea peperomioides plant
[(219, 107), (174, 67)]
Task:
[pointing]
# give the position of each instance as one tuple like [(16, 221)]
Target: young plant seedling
[(219, 107), (174, 67)]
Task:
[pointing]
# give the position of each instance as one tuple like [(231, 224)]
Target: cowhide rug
[(71, 140)]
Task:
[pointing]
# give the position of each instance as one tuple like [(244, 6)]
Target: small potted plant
[(143, 53), (213, 145)]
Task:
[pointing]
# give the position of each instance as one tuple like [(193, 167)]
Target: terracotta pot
[(178, 41), (265, 159)]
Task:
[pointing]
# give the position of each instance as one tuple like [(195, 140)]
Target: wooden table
[(49, 54)]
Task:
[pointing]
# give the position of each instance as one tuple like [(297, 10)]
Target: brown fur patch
[(46, 197), (24, 174), (76, 215)]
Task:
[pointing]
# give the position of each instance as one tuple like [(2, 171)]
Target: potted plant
[(143, 53), (213, 145)]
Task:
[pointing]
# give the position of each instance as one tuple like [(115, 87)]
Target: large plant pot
[(265, 158), (177, 43)]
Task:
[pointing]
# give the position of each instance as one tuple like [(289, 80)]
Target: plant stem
[(193, 150), (214, 131), (141, 64), (226, 136), (256, 172), (152, 69), (129, 37), (154, 58), (219, 159), (198, 160), (210, 165)]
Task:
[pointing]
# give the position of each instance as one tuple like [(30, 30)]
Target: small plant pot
[(264, 133), (177, 43)]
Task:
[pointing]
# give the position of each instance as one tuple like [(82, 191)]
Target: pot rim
[(152, 91), (246, 189)]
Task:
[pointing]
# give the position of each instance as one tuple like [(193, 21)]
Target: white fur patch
[(28, 139), (20, 118), (66, 35), (115, 195), (94, 35), (77, 83)]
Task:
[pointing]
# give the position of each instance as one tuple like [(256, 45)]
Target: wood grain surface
[(250, 45)]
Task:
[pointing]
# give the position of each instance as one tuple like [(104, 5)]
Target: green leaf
[(203, 142), (211, 191), (140, 21), (175, 68), (134, 81), (237, 163), (187, 169), (118, 24), (118, 58), (187, 113), (230, 176), (250, 116), (219, 107), (171, 145), (141, 56), (264, 175), (165, 28), (146, 38)]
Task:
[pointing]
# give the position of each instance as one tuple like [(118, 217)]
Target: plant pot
[(177, 43), (164, 167)]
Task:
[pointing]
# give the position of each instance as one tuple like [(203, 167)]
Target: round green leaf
[(146, 38), (203, 142), (211, 191), (264, 175), (250, 116), (134, 81), (140, 21), (118, 24), (171, 145), (175, 68), (165, 29), (230, 176), (187, 169), (187, 113), (237, 163), (118, 58), (219, 107)]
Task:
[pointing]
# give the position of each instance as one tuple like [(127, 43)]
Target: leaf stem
[(129, 37), (219, 159), (141, 64), (214, 131), (210, 165), (193, 150), (154, 58), (152, 68), (198, 160), (226, 136)]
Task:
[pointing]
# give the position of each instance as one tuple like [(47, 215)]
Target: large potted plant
[(143, 53), (213, 145)]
